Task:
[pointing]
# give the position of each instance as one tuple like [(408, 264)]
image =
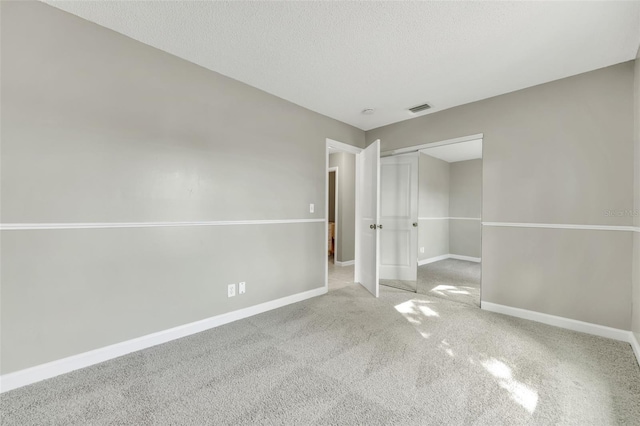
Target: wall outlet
[(421, 249), (242, 288), (231, 290), (312, 208)]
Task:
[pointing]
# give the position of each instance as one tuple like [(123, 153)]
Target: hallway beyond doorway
[(339, 276)]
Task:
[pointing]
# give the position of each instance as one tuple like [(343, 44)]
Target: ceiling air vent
[(419, 108)]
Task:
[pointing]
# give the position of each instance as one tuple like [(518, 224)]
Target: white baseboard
[(65, 365), (467, 258), (433, 259), (568, 323), (346, 263), (635, 344), (447, 256)]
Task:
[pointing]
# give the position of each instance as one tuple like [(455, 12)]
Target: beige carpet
[(347, 358)]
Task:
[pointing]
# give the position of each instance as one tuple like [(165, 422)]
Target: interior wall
[(346, 224), (97, 127), (557, 153), (465, 208), (332, 196), (433, 207), (636, 216)]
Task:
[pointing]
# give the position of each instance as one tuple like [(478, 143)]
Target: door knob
[(415, 224), (380, 226), (372, 226)]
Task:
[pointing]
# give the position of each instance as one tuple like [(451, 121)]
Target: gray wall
[(433, 202), (449, 190), (346, 223), (558, 153), (465, 201), (581, 265), (465, 237), (636, 236), (97, 127), (465, 188), (332, 197)]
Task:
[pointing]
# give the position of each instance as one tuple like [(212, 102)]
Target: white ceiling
[(454, 152), (338, 58)]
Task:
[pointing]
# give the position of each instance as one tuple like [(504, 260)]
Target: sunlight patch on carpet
[(524, 395)]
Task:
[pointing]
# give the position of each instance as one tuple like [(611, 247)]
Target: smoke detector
[(368, 111)]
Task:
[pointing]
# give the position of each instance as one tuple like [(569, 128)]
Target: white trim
[(448, 256), (635, 345), (433, 259), (345, 263), (467, 258), (340, 146), (452, 218), (561, 226), (431, 145), (568, 323), (97, 225), (65, 365)]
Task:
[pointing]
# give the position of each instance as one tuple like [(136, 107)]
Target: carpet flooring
[(347, 358), (339, 276), (451, 279), (405, 285)]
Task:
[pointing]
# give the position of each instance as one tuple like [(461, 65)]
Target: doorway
[(332, 213), (450, 238), (340, 220), (341, 177)]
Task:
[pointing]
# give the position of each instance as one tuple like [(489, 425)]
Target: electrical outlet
[(312, 208), (231, 290), (242, 288), (421, 249)]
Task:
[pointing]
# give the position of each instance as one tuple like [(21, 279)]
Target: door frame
[(337, 146), (414, 148)]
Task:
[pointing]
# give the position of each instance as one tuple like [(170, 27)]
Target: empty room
[(322, 213)]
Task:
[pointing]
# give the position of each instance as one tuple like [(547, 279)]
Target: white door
[(399, 217), (367, 213)]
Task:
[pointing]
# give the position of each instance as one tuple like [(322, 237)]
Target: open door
[(399, 216), (367, 214)]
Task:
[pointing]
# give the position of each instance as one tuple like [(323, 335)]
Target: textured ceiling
[(338, 58)]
